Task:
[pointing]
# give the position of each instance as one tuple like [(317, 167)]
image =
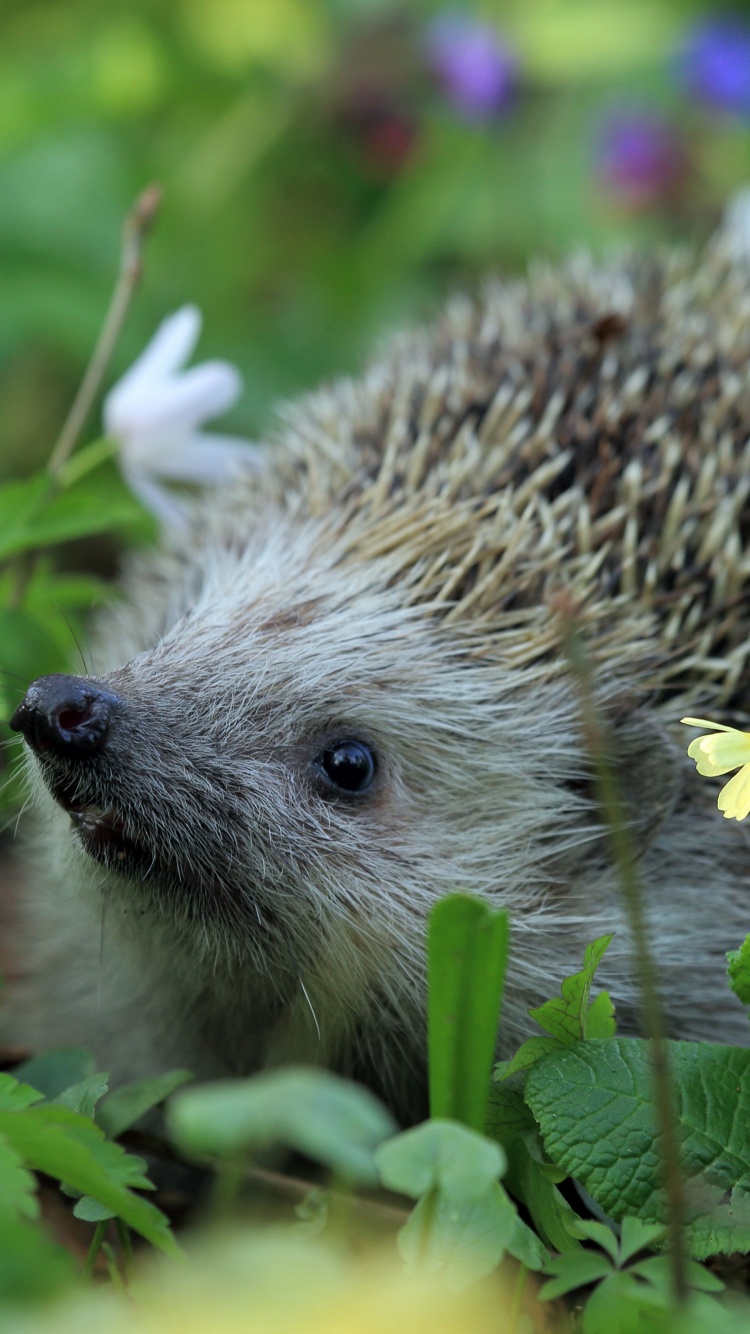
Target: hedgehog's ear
[(649, 771)]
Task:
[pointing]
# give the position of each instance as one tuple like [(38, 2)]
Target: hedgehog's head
[(306, 758)]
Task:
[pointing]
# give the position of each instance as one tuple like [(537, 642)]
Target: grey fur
[(390, 574)]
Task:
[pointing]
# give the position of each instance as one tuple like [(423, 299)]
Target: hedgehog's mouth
[(102, 832)]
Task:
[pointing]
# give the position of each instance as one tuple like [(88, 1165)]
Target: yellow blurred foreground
[(277, 1282)]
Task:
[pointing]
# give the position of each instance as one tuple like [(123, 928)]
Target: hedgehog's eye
[(348, 766)]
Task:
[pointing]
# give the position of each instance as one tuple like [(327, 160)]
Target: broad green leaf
[(464, 1221), (329, 1119), (594, 1105), (84, 1096), (467, 948), (442, 1155), (17, 1185), (14, 1095), (72, 1149), (55, 1071), (739, 971), (461, 1240), (121, 1109), (507, 1112)]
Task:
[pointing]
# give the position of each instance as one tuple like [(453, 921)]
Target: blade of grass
[(467, 958)]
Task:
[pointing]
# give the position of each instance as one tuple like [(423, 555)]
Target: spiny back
[(588, 427)]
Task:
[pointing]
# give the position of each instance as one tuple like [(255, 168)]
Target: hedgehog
[(343, 694)]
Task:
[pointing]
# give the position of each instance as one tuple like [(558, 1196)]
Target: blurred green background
[(328, 173)]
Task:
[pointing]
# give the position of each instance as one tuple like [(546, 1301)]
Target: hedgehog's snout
[(67, 715)]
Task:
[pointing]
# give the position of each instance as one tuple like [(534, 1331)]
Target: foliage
[(330, 1120), (55, 1134), (629, 1285), (317, 170), (594, 1107), (577, 1101)]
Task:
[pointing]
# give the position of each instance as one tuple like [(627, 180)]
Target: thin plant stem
[(126, 1248), (96, 1244), (135, 229), (113, 1268), (599, 748)]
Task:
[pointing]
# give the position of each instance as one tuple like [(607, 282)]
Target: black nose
[(65, 714)]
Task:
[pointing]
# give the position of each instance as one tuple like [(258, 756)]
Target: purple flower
[(475, 68), (641, 158), (714, 63)]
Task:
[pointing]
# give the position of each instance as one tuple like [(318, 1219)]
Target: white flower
[(736, 225), (155, 413)]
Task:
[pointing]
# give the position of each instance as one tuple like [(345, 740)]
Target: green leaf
[(329, 1119), (576, 1269), (121, 1109), (98, 502), (531, 1051), (36, 512), (507, 1112), (636, 1236), (72, 1149), (526, 1246), (462, 1240), (32, 1268), (467, 953), (529, 1181), (601, 1235), (90, 1210), (14, 1096), (614, 1305), (464, 1221), (657, 1270), (55, 1071), (594, 1105), (440, 1155), (569, 1018), (739, 971), (565, 1017), (84, 1096), (20, 504), (17, 1185), (600, 1019)]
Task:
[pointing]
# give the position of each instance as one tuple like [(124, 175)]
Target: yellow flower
[(719, 754)]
